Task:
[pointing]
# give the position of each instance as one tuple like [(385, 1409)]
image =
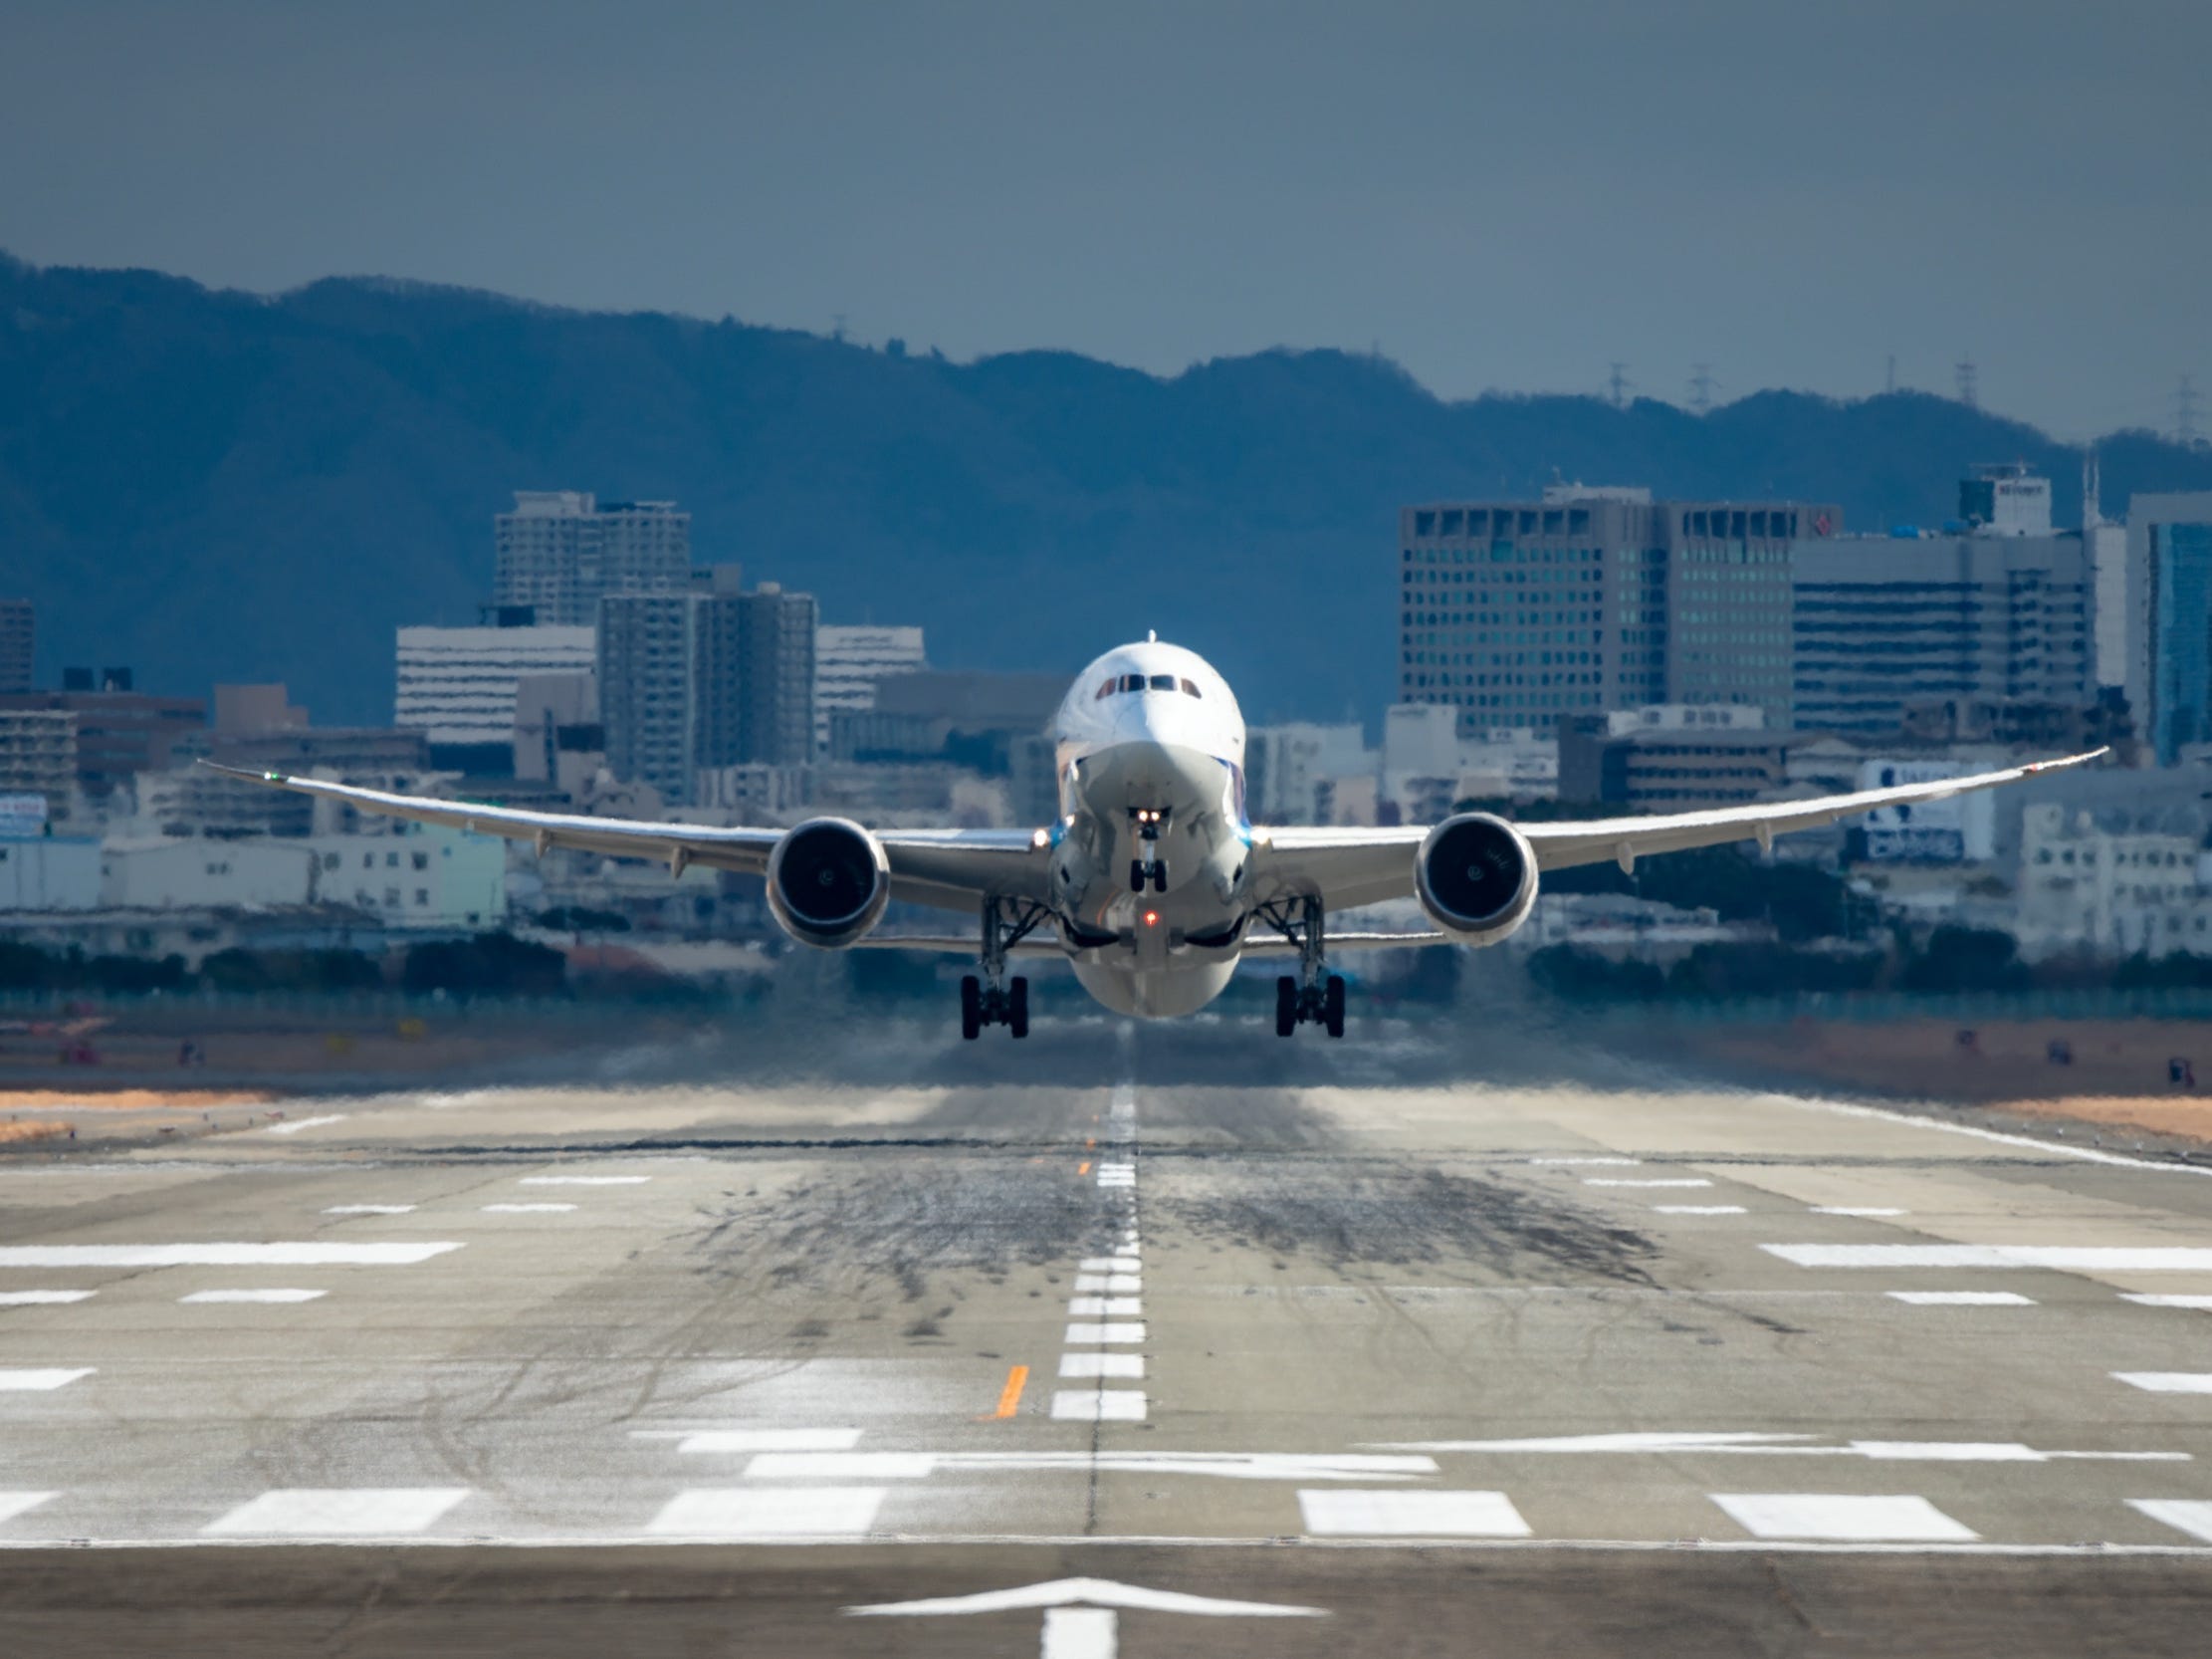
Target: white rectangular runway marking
[(586, 1180), (1618, 1181), (1948, 1451), (842, 1466), (2189, 1514), (1466, 1515), (1105, 1307), (526, 1209), (1842, 1516), (304, 1255), (337, 1512), (1697, 1209), (1079, 1334), (1615, 1162), (253, 1296), (2168, 1382), (769, 1512), (40, 1380), (1962, 1299), (1126, 1366), (370, 1210), (1870, 1210), (1099, 1405), (1109, 1264), (2062, 1258), (2200, 1303), (1122, 1282), (13, 1504), (298, 1123), (39, 1299), (771, 1440)]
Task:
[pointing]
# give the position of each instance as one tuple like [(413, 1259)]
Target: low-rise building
[(38, 756), (1673, 757), (46, 874), (192, 874), (2112, 881), (425, 877)]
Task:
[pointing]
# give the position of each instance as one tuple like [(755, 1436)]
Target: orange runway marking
[(1009, 1397), (1083, 1168)]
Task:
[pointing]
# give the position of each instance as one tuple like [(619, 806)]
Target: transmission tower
[(2187, 401), (1969, 383), (1891, 384), (1702, 387), (1618, 385)]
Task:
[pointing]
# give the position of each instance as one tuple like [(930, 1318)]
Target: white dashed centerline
[(1962, 1299), (295, 1125), (40, 1380), (253, 1296), (41, 1298)]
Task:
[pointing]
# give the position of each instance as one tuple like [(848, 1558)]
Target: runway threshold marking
[(1855, 1518), (1009, 1397)]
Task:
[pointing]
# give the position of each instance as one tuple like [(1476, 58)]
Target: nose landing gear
[(1148, 870), (1143, 873)]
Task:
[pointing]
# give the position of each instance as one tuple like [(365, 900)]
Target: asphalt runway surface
[(1435, 1340)]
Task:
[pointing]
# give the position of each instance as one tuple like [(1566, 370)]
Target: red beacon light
[(1152, 919)]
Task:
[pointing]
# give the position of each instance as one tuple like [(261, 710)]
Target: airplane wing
[(1347, 867), (948, 870)]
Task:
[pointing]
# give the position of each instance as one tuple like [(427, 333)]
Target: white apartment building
[(458, 685), (559, 552), (181, 873), (848, 663), (2110, 881), (1289, 769), (427, 876)]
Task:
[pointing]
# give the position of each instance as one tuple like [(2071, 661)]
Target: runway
[(1606, 1362)]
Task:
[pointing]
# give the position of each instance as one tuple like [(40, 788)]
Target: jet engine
[(1476, 875), (828, 882)]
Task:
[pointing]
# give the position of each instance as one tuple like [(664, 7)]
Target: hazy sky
[(1500, 196)]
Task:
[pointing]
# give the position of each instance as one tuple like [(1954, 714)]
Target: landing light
[(1152, 919)]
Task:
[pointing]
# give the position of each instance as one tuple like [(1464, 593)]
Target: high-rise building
[(2001, 614), (15, 646), (705, 679), (120, 732), (559, 552), (848, 663), (457, 686), (1518, 613), (2170, 619)]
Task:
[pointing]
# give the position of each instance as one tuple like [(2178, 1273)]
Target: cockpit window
[(1132, 682), (1106, 689), (1163, 682), (1189, 690)]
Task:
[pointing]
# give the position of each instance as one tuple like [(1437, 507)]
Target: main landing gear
[(990, 997), (1311, 995)]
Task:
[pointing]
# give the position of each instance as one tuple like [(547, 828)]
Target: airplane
[(1152, 884)]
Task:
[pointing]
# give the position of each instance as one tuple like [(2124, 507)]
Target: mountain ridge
[(207, 484)]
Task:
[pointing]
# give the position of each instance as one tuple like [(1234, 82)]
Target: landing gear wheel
[(1159, 877), (1332, 1005), (971, 1007), (1017, 1006), (1136, 875), (1286, 1006)]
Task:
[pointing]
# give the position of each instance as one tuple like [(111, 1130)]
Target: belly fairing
[(1156, 993)]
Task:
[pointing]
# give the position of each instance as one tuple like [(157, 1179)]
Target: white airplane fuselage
[(1150, 747)]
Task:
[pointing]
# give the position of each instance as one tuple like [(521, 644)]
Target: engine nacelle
[(1476, 875), (828, 882)]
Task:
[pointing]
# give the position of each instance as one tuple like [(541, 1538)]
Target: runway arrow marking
[(1080, 1614)]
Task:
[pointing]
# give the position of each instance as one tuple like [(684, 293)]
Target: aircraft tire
[(1017, 1006), (971, 1007), (1332, 1005), (1286, 1006)]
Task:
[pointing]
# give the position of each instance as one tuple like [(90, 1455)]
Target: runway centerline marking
[(1079, 1336), (1870, 1211), (1105, 1307), (1099, 1405), (584, 1180), (526, 1209), (1109, 1264), (1897, 1517), (2203, 1303), (370, 1210), (1115, 1281), (1752, 1443), (1618, 1163), (13, 1504), (40, 1299), (1126, 1366), (1698, 1210), (295, 1125), (1624, 1181)]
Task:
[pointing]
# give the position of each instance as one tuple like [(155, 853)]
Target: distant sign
[(1950, 832), (21, 815)]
